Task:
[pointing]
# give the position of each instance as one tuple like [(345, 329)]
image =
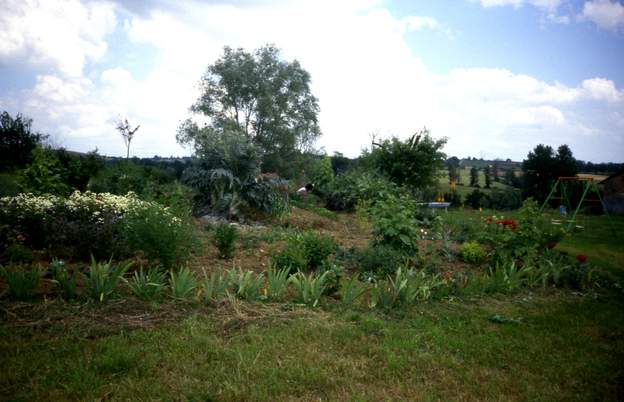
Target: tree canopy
[(414, 162), (542, 167), (17, 141), (260, 96)]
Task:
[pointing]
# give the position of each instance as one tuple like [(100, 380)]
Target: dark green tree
[(487, 172), (264, 98), (474, 177), (542, 168), (414, 162), (17, 141)]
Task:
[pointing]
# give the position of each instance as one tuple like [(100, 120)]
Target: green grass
[(464, 174), (553, 346)]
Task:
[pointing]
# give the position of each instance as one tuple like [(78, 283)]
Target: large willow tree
[(259, 96)]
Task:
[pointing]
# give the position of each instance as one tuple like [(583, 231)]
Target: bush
[(477, 199), (126, 176), (22, 280), (472, 252), (379, 261), (334, 276), (18, 253), (305, 250), (224, 239), (505, 199), (97, 224), (394, 224), (290, 258)]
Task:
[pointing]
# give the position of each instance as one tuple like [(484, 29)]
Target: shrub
[(182, 283), (147, 285), (394, 224), (379, 261), (18, 253), (472, 252), (22, 280), (477, 199), (224, 239), (334, 276), (163, 237), (45, 174), (316, 247), (290, 258), (506, 199), (101, 282), (64, 279)]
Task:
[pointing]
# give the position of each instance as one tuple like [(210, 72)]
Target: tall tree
[(474, 177), (542, 167), (488, 176), (265, 98), (415, 162), (17, 141)]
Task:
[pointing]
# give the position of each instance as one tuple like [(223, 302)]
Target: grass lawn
[(465, 189), (554, 345)]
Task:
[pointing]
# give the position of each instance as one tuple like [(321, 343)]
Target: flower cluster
[(582, 258), (512, 224)]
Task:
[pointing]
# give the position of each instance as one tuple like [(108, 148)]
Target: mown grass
[(557, 345)]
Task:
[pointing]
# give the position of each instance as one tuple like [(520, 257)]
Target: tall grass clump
[(246, 284), (101, 281), (309, 288), (147, 285), (214, 287), (277, 283), (64, 279), (22, 280), (182, 283), (352, 291)]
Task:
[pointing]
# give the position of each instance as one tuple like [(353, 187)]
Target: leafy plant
[(147, 285), (214, 287), (334, 273), (64, 279), (394, 224), (472, 252), (22, 280), (316, 247), (103, 277), (310, 288), (277, 282), (225, 236), (246, 284), (352, 291), (159, 234), (18, 253), (507, 278), (291, 258), (182, 283), (379, 261)]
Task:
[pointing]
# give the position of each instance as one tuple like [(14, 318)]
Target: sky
[(495, 77)]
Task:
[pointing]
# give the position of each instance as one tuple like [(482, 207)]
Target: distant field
[(464, 189)]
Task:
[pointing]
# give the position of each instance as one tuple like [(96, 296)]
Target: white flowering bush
[(88, 223)]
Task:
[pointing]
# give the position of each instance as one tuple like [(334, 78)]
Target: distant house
[(613, 187)]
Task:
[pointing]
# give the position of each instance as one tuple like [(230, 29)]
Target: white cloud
[(363, 71), (61, 35), (604, 13), (550, 5)]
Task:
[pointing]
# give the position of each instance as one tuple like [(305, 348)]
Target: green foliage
[(22, 280), (507, 199), (78, 169), (225, 236), (352, 291), (18, 253), (472, 252), (477, 199), (415, 162), (277, 283), (542, 167), (304, 250), (265, 99), (246, 284), (147, 285), (309, 288), (44, 175), (9, 184), (127, 176), (381, 260), (474, 177), (405, 288), (334, 276), (266, 197), (394, 224), (17, 141), (162, 236), (101, 281), (182, 283), (64, 279), (214, 287)]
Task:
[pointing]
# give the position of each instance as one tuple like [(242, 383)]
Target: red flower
[(551, 244), (582, 258), (513, 225), (488, 219)]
